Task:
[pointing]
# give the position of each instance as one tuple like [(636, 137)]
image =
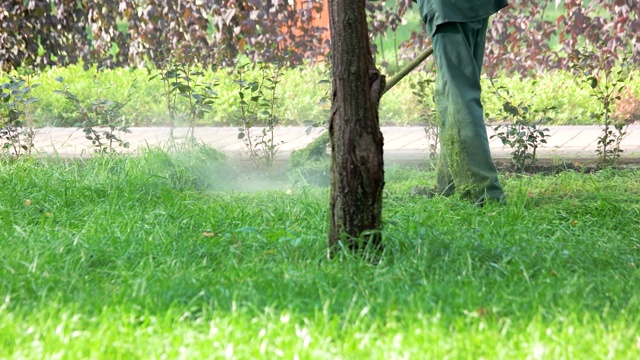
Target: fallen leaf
[(483, 311), (480, 312), (208, 234)]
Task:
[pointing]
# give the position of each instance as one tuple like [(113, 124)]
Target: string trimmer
[(310, 153), (408, 68)]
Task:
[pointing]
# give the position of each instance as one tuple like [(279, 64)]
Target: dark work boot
[(487, 198), (431, 192)]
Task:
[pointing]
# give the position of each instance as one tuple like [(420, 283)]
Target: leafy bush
[(16, 131), (100, 113), (186, 97), (605, 86), (256, 103), (523, 131), (42, 33), (521, 38), (527, 37), (55, 110), (300, 91)]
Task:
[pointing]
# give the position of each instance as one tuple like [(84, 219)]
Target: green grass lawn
[(162, 256)]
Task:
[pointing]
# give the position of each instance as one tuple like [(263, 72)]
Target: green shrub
[(300, 93)]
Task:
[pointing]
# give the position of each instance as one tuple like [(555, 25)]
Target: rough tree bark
[(357, 173)]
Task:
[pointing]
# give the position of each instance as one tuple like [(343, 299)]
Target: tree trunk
[(357, 172)]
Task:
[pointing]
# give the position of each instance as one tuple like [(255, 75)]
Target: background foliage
[(103, 47), (300, 94), (529, 36), (111, 33), (526, 39)]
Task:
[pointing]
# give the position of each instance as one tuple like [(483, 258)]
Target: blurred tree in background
[(528, 36)]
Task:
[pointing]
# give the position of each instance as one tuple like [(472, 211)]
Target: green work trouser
[(465, 165)]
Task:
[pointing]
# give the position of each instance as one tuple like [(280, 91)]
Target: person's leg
[(444, 182), (465, 156)]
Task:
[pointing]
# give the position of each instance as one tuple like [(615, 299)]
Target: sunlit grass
[(138, 257)]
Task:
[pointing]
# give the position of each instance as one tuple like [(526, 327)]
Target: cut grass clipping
[(138, 257)]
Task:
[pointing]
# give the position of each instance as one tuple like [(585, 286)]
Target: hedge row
[(300, 93)]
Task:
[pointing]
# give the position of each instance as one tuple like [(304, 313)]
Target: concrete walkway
[(401, 144)]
